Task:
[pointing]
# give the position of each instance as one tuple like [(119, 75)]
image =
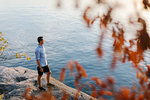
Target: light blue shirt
[(41, 55)]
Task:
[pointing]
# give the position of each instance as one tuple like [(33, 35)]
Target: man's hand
[(41, 69)]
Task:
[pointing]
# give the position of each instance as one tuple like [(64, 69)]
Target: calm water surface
[(66, 38)]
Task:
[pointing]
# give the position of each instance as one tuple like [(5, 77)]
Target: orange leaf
[(77, 95), (98, 82), (103, 84), (141, 97), (99, 52), (137, 74), (104, 92), (108, 93), (114, 33), (65, 96), (62, 74), (111, 80), (87, 20), (84, 73), (80, 69), (94, 19), (146, 79), (94, 92), (125, 93), (76, 82), (70, 66)]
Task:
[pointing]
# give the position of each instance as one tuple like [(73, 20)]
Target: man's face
[(42, 41)]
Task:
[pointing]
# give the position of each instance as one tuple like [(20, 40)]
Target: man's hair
[(40, 38)]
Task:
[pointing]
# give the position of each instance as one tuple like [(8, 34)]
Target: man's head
[(40, 40)]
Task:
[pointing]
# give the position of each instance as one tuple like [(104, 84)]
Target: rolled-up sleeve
[(37, 54)]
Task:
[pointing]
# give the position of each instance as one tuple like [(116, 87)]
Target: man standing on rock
[(42, 62)]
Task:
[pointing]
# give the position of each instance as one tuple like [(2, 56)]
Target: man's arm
[(38, 62), (37, 53)]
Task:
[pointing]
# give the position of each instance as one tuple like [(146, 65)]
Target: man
[(42, 62)]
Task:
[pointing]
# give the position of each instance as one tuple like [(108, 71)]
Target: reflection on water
[(66, 38)]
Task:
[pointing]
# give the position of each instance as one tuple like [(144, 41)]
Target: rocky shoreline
[(14, 81)]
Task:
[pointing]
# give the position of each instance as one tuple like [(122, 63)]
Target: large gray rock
[(14, 81)]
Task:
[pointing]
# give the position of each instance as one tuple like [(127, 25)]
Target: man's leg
[(39, 81), (39, 76), (48, 77), (46, 69)]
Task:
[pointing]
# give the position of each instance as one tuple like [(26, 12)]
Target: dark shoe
[(41, 88), (49, 84)]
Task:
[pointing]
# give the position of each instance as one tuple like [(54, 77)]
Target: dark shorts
[(45, 69)]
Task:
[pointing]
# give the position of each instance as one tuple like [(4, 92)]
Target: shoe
[(49, 84), (41, 88)]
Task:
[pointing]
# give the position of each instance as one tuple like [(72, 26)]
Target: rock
[(14, 81), (1, 91)]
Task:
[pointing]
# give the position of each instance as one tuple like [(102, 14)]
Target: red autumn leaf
[(125, 93), (137, 74), (77, 95), (142, 81), (141, 96), (80, 69), (131, 43), (115, 42), (111, 80), (114, 33), (94, 91), (146, 79), (70, 66), (99, 49), (99, 52), (125, 54), (124, 58), (86, 19), (133, 57), (108, 93), (103, 84), (76, 82), (94, 19), (141, 69), (143, 39), (77, 78), (146, 4), (98, 82), (104, 92), (27, 94), (65, 96), (133, 95), (62, 74), (84, 73), (106, 18)]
